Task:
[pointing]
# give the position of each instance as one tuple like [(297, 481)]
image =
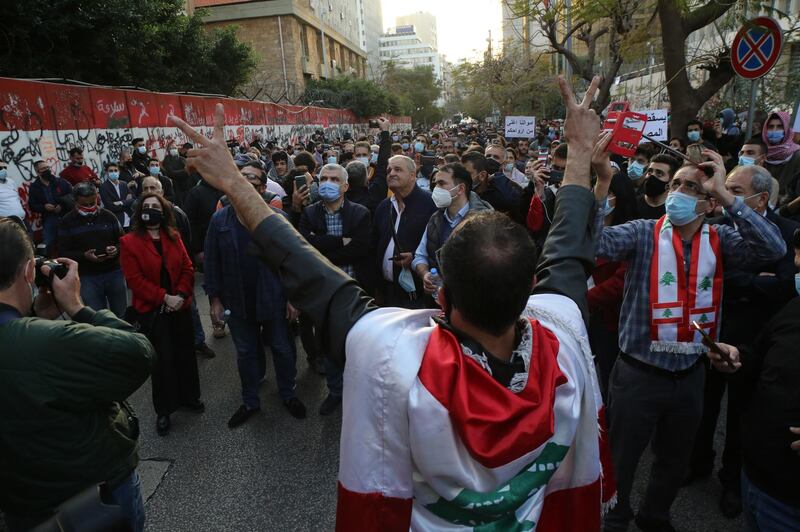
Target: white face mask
[(173, 152), (441, 197)]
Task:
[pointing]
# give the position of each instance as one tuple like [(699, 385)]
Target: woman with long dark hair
[(160, 275)]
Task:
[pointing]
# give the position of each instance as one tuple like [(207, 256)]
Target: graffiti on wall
[(43, 121)]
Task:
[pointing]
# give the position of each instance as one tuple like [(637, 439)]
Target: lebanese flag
[(479, 454)]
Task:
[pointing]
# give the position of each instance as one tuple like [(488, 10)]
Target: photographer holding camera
[(64, 430)]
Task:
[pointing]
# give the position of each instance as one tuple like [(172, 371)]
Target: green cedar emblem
[(667, 313), (705, 284), (494, 511), (704, 318), (667, 279)]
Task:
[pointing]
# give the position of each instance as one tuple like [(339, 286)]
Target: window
[(304, 39)]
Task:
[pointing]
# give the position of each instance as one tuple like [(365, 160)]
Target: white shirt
[(388, 265), (10, 202)]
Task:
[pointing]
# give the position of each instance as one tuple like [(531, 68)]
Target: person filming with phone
[(65, 428)]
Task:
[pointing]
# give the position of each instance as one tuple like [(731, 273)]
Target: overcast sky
[(463, 25)]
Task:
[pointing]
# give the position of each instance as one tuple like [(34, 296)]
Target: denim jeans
[(128, 496), (197, 325), (763, 513), (334, 375), (250, 337), (109, 287)]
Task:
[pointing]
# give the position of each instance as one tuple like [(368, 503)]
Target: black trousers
[(664, 411), (703, 453)]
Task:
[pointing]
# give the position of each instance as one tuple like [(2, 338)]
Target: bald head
[(150, 185)]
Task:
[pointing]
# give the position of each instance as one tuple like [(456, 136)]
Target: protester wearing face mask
[(51, 197), (160, 275), (76, 171), (90, 236), (363, 154), (752, 297), (637, 166), (65, 430), (116, 196), (154, 170), (783, 154), (341, 231), (510, 168), (754, 152), (656, 386), (10, 201), (694, 132), (453, 196), (174, 167), (139, 155), (650, 204)]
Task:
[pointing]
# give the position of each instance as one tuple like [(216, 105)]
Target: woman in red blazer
[(160, 276)]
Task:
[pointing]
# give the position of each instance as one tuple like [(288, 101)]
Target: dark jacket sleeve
[(36, 199), (66, 242), (95, 364), (568, 255), (334, 301), (108, 199), (378, 188), (311, 230), (212, 276), (169, 190)]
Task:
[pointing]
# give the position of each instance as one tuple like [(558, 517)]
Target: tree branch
[(705, 14)]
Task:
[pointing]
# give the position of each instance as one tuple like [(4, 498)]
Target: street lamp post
[(322, 32)]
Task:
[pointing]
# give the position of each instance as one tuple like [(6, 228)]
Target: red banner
[(143, 108), (110, 108), (70, 106), (22, 106), (194, 110)]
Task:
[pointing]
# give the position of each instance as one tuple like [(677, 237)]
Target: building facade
[(371, 16), (295, 40), (424, 25), (403, 47)]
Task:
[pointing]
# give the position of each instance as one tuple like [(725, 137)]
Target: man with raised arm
[(483, 416)]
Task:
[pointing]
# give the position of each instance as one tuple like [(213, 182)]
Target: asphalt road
[(279, 473)]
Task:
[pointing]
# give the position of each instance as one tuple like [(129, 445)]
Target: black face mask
[(654, 187), (151, 217), (492, 166), (47, 175)]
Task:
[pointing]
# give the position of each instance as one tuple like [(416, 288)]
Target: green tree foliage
[(363, 97), (416, 90), (514, 84), (146, 43)]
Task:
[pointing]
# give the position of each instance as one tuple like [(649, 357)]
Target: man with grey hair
[(398, 226), (340, 230), (752, 297), (357, 191)]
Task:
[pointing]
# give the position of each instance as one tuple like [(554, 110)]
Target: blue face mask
[(142, 149), (329, 191), (725, 211), (331, 160), (693, 136), (404, 145), (113, 176), (3, 175), (746, 161), (635, 169), (373, 158), (775, 137), (155, 170), (681, 208), (395, 138), (419, 147), (797, 283)]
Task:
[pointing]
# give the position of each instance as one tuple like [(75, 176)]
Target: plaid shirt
[(333, 222), (757, 241)]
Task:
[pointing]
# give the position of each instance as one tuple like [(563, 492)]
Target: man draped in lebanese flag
[(485, 417)]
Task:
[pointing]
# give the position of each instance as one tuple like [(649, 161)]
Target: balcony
[(308, 67)]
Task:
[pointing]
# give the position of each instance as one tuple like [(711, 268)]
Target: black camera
[(56, 268), (373, 123)]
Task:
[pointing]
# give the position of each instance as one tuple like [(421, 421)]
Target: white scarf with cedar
[(676, 302)]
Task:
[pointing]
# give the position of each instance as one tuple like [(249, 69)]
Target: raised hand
[(715, 185), (211, 158), (581, 128)]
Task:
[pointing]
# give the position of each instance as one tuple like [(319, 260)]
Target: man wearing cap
[(90, 236)]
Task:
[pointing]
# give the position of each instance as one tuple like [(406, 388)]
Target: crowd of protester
[(381, 206)]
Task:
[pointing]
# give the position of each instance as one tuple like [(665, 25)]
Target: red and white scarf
[(675, 301)]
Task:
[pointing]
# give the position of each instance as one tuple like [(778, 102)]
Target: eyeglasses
[(689, 187)]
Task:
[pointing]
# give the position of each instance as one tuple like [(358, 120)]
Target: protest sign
[(520, 127)]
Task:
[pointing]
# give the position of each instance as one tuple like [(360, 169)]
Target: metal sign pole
[(751, 112)]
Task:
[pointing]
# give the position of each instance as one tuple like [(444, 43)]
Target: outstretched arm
[(568, 254), (333, 300)]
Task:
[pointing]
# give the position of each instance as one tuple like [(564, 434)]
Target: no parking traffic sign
[(756, 47)]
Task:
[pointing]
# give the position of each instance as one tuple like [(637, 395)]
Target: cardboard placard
[(522, 127)]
